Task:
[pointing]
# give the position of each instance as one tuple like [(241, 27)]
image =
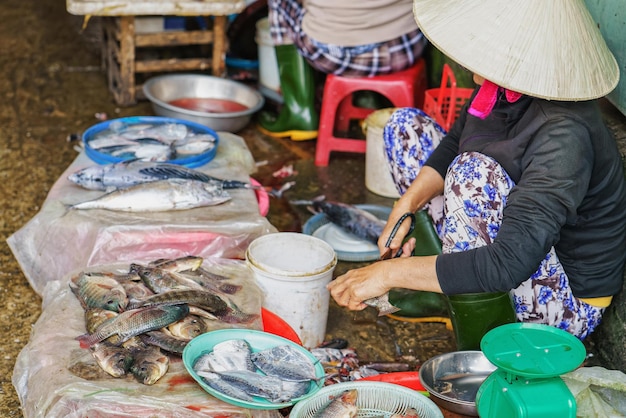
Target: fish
[(114, 360), (235, 354), (164, 341), (157, 279), (342, 406), (162, 195), (94, 317), (208, 301), (146, 151), (188, 327), (382, 304), (285, 362), (134, 322), (349, 218), (409, 413), (190, 262), (254, 384), (109, 177), (149, 364), (210, 281), (95, 290), (216, 382)]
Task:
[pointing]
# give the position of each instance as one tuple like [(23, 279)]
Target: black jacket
[(570, 194)]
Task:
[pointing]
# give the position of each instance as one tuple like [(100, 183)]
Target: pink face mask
[(486, 98)]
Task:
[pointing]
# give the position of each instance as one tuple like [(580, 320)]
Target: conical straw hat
[(549, 49)]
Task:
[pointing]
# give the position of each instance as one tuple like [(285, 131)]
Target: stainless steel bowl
[(163, 89), (452, 379)]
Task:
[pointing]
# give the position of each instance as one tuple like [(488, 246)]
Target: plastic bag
[(599, 392), (57, 241), (54, 377)]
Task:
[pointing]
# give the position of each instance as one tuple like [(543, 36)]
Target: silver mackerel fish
[(159, 196)]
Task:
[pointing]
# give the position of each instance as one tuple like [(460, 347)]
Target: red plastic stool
[(403, 88)]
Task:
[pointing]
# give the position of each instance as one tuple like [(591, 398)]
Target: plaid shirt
[(285, 18)]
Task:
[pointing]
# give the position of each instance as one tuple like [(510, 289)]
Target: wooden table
[(121, 41)]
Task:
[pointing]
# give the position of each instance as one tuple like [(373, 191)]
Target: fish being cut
[(350, 218), (382, 304), (162, 195), (130, 173)]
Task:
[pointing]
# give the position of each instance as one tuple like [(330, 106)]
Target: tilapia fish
[(134, 322), (95, 290), (114, 360), (342, 406), (130, 173), (352, 219), (149, 364), (208, 301), (158, 196)]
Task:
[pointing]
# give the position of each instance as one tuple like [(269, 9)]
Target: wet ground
[(52, 87)]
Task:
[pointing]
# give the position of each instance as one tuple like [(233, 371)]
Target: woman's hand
[(417, 273), (351, 289)]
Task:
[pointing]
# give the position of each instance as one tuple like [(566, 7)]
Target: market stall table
[(122, 40)]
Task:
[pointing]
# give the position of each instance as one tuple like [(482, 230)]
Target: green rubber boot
[(298, 119), (415, 305)]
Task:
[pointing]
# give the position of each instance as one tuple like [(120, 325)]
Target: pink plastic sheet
[(57, 241)]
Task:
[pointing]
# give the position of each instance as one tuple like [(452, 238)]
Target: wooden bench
[(121, 41)]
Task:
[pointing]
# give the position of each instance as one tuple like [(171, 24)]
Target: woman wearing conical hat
[(534, 200)]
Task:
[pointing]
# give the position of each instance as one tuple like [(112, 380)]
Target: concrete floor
[(52, 87)]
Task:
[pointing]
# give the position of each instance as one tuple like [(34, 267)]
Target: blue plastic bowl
[(192, 161)]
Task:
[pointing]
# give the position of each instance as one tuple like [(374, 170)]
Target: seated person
[(533, 183), (335, 37)]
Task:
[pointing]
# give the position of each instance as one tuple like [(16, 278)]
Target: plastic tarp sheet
[(599, 392), (57, 241), (54, 377)]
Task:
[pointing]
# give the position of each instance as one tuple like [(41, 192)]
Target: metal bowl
[(453, 379), (162, 90)]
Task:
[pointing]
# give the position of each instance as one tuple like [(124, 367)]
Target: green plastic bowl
[(258, 341)]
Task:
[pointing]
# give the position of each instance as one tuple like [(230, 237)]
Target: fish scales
[(254, 384), (285, 362), (99, 291), (216, 382), (205, 300), (134, 322), (130, 173), (164, 341), (158, 196)]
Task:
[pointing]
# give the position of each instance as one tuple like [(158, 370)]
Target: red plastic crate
[(444, 103)]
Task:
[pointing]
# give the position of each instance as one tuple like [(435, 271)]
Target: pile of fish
[(134, 320), (277, 374), (150, 142), (344, 405)]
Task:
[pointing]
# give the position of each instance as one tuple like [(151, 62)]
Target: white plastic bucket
[(268, 66), (377, 176), (293, 270)]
